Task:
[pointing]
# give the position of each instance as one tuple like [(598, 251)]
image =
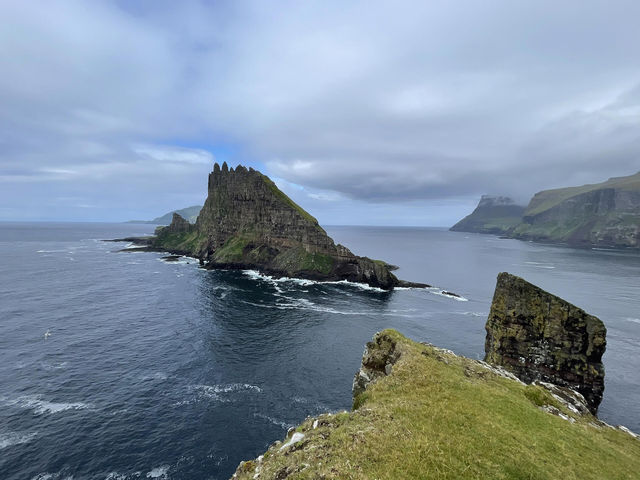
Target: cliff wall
[(539, 336)]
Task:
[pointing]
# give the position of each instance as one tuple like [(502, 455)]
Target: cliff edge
[(423, 412)]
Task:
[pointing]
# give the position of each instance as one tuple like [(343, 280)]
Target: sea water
[(120, 365)]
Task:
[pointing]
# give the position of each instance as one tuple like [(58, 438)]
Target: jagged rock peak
[(539, 336)]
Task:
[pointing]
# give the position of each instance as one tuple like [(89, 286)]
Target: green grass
[(438, 416), (187, 242), (295, 260), (233, 250)]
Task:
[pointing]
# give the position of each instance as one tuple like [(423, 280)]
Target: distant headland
[(605, 214)]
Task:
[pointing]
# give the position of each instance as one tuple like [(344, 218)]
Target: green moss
[(189, 242), (295, 260), (284, 198), (233, 250), (445, 417)]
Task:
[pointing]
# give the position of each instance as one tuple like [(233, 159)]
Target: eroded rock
[(539, 336)]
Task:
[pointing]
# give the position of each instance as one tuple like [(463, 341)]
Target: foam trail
[(41, 407), (14, 438)]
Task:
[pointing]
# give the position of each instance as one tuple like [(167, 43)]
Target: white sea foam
[(40, 407), (159, 472), (54, 366), (539, 265), (633, 320), (15, 438), (443, 293), (157, 376), (275, 421), (472, 314), (216, 393), (255, 275)]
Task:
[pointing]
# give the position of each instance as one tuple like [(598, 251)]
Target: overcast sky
[(394, 112)]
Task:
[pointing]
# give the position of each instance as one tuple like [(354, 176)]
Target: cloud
[(165, 153), (415, 105)]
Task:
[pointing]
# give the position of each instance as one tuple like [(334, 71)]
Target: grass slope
[(440, 416)]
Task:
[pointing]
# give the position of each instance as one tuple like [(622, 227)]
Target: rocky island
[(606, 214), (247, 222), (420, 411)]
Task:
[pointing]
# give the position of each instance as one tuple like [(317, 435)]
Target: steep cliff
[(424, 412), (496, 215), (539, 336), (247, 222), (604, 214)]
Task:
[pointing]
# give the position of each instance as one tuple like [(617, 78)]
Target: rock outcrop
[(494, 214), (541, 337), (247, 222)]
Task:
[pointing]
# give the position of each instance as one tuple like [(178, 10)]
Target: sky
[(364, 112)]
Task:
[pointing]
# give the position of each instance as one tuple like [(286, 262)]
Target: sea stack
[(247, 222), (539, 336)]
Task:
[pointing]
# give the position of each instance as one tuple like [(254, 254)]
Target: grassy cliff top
[(441, 416), (550, 198)]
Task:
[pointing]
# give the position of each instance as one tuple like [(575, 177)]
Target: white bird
[(47, 334)]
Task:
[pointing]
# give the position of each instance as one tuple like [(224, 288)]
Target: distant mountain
[(604, 214), (496, 215), (188, 213)]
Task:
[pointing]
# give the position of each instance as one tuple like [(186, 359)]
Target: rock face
[(540, 337), (494, 214), (247, 222), (377, 361)]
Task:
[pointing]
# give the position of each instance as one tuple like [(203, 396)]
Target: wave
[(255, 275), (304, 304), (159, 376), (40, 407), (14, 438), (159, 472), (633, 320), (472, 314), (216, 392), (52, 476), (275, 421), (539, 265), (444, 293)]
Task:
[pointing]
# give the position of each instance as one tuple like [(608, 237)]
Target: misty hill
[(189, 213), (603, 214), (248, 222), (494, 214)]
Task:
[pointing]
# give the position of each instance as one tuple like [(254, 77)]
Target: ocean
[(120, 365)]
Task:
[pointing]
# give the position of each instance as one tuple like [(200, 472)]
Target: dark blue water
[(162, 370)]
